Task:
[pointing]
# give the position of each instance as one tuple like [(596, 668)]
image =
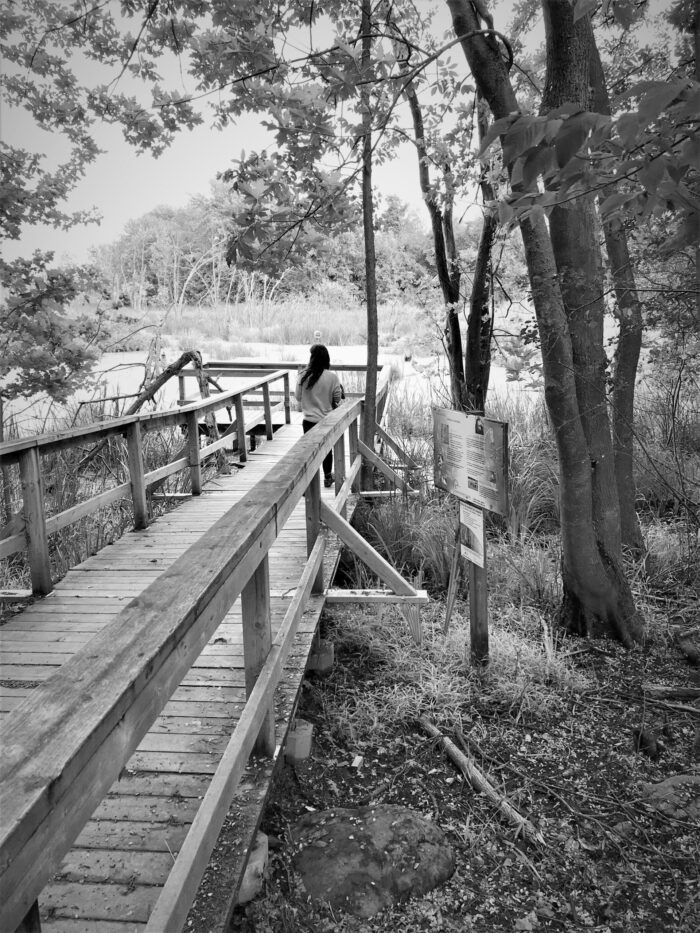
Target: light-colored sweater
[(322, 397)]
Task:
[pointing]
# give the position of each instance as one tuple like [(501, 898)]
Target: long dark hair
[(319, 360)]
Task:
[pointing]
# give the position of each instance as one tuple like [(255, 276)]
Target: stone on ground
[(366, 859), (252, 882), (677, 797)]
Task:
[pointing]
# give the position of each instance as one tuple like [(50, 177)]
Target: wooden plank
[(74, 514), (384, 468), (12, 544), (347, 534), (111, 902), (338, 597), (60, 925), (168, 469), (115, 866), (393, 445)]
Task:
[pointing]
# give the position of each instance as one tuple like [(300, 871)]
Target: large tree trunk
[(629, 345), (596, 597), (370, 410), (574, 235)]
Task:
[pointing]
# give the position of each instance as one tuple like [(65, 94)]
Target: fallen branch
[(481, 784), (662, 692)]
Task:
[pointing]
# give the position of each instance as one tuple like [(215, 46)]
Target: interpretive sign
[(471, 458), (472, 541)]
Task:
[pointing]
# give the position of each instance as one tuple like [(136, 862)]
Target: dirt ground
[(575, 762)]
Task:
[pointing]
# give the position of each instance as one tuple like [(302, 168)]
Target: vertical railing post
[(193, 453), (35, 521), (339, 462), (181, 392), (354, 451), (312, 498), (287, 400), (240, 428), (137, 475), (268, 411), (257, 639)]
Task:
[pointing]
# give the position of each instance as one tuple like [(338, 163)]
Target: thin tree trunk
[(445, 258), (480, 320), (369, 416), (629, 344)]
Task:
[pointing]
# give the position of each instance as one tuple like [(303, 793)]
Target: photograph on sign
[(472, 539), (470, 457)]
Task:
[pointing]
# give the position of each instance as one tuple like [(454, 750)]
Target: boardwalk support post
[(287, 400), (137, 475), (194, 456), (313, 524), (268, 411), (339, 465), (257, 639), (240, 429), (35, 522), (354, 440)]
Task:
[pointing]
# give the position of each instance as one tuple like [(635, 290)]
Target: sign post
[(471, 462)]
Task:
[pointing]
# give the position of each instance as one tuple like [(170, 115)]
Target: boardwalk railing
[(67, 742), (34, 527)]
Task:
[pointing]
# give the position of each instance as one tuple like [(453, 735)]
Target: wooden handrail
[(11, 451), (26, 451), (66, 743)]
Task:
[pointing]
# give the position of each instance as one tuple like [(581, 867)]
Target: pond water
[(121, 374)]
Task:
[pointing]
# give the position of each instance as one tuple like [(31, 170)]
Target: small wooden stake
[(455, 574), (478, 612)]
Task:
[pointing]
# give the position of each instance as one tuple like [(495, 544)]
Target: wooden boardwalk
[(111, 878)]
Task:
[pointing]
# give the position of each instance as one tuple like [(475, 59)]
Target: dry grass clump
[(405, 680)]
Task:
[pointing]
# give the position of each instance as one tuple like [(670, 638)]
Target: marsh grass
[(436, 679)]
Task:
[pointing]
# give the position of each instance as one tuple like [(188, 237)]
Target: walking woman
[(318, 391)]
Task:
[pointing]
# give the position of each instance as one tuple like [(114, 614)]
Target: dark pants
[(328, 459)]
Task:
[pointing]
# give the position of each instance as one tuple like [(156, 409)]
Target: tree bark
[(370, 409), (574, 236), (596, 596), (629, 344), (477, 353)]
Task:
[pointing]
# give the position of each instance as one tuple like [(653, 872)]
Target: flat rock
[(366, 859), (677, 797)]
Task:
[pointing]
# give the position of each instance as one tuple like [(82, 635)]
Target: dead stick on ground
[(480, 783)]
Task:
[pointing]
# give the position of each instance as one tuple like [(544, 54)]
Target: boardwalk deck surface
[(112, 876)]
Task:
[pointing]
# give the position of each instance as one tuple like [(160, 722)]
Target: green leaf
[(583, 7)]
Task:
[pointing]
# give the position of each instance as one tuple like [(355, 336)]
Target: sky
[(123, 185)]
